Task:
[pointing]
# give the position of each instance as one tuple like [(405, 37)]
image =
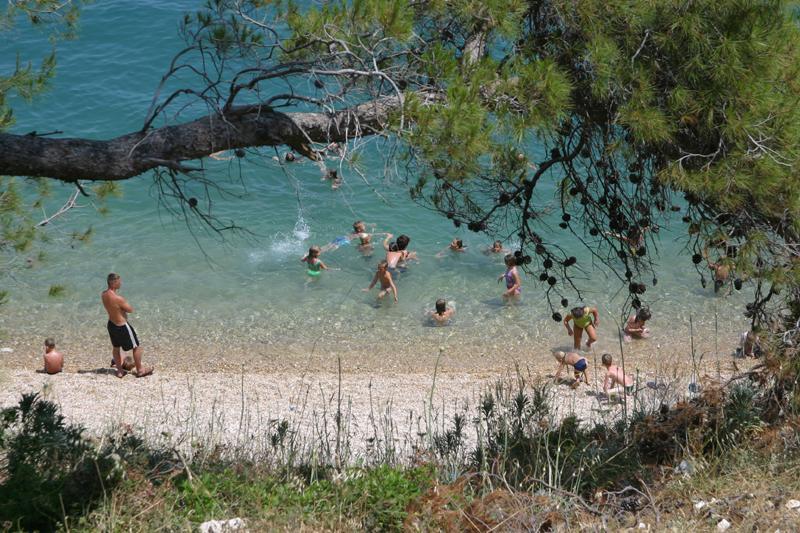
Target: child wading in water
[(634, 327), (615, 376), (513, 281), (579, 364), (582, 320), (315, 264), (385, 278), (442, 314)]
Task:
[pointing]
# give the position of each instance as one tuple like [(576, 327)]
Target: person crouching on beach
[(578, 363), (635, 328), (315, 264), (615, 376), (442, 314), (582, 320), (385, 278), (511, 276), (53, 360)]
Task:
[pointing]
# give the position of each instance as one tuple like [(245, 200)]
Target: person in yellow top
[(583, 318)]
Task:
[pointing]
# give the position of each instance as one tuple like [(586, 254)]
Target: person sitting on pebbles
[(53, 359)]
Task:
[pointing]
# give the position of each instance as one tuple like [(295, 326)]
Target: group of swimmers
[(579, 320)]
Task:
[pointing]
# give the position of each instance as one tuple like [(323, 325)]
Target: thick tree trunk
[(132, 154)]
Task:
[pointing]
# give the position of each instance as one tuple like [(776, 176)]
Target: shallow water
[(209, 297)]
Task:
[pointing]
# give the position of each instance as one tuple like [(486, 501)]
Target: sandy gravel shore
[(378, 406)]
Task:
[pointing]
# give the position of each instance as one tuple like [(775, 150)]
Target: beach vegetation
[(511, 460)]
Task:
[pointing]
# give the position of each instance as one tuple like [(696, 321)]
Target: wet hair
[(289, 156), (459, 243), (393, 247), (111, 278), (510, 260), (314, 251), (383, 263), (643, 314), (441, 306), (402, 242), (49, 342), (497, 244), (578, 312), (606, 359), (357, 223)]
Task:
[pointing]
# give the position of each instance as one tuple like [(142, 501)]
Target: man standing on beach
[(121, 332)]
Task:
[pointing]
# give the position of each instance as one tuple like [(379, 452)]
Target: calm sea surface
[(190, 289)]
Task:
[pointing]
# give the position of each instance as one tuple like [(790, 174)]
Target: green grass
[(372, 499)]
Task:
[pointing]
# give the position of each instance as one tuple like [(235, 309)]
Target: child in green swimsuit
[(315, 264), (582, 320)]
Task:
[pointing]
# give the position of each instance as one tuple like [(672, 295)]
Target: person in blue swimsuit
[(579, 364)]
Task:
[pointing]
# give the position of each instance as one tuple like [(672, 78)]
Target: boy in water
[(615, 376), (495, 248), (456, 245), (582, 320), (315, 264), (635, 328), (53, 360), (442, 314), (579, 364), (385, 278)]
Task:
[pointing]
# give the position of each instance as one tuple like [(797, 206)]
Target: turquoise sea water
[(253, 289)]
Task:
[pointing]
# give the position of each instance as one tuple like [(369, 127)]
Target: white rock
[(723, 525), (223, 526), (792, 504), (642, 525), (7, 350), (699, 505)]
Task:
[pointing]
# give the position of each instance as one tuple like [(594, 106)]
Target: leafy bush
[(49, 471)]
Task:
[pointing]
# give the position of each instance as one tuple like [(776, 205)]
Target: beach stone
[(7, 350), (685, 468), (723, 525), (792, 504), (223, 526)]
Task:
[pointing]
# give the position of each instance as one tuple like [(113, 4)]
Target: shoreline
[(387, 407)]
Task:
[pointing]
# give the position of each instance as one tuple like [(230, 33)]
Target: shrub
[(49, 470)]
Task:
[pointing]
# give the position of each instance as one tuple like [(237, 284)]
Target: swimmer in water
[(456, 245), (442, 314), (496, 248), (315, 264)]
